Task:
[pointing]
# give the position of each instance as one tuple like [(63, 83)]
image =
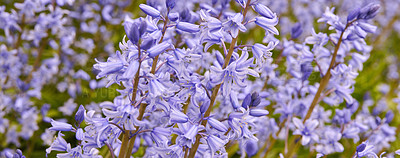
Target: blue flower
[(365, 149), (80, 114), (307, 131), (264, 11), (158, 49), (268, 24), (149, 10), (236, 72), (215, 143), (234, 24), (251, 147), (217, 125), (60, 126), (59, 144), (188, 27), (112, 66)]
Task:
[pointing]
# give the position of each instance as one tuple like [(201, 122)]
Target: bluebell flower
[(187, 133), (296, 30), (365, 149), (160, 136), (149, 10), (213, 24), (262, 53), (173, 16), (158, 49), (188, 27), (170, 3), (215, 143), (131, 71), (307, 130), (330, 142), (264, 11), (217, 125), (59, 144), (79, 134), (258, 112), (235, 72), (319, 39), (240, 122), (69, 107), (234, 24), (60, 126), (176, 116), (251, 147), (80, 114), (369, 11), (268, 24), (113, 65), (342, 116)]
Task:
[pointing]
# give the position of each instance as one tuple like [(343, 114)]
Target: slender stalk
[(154, 65), (136, 80), (19, 39), (111, 150), (325, 80), (43, 44), (323, 83), (126, 134), (143, 106), (214, 94), (272, 140)]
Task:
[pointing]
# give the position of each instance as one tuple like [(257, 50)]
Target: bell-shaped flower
[(307, 130), (79, 134), (264, 11), (112, 66), (80, 114), (188, 27), (217, 125), (369, 11), (160, 136), (268, 24), (236, 72), (149, 10), (59, 144), (215, 143), (234, 24), (177, 116), (60, 126), (213, 24), (258, 112), (158, 49)]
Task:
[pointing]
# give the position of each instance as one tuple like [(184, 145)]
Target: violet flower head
[(234, 24), (149, 10), (307, 130)]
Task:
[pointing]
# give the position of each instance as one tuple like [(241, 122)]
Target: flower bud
[(188, 27), (258, 112), (60, 126), (177, 116), (80, 115), (149, 10), (264, 11), (217, 125), (158, 49)]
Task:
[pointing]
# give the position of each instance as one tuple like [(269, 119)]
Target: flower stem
[(323, 83), (143, 106), (214, 94)]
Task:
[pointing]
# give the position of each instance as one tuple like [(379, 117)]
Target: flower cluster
[(189, 82)]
